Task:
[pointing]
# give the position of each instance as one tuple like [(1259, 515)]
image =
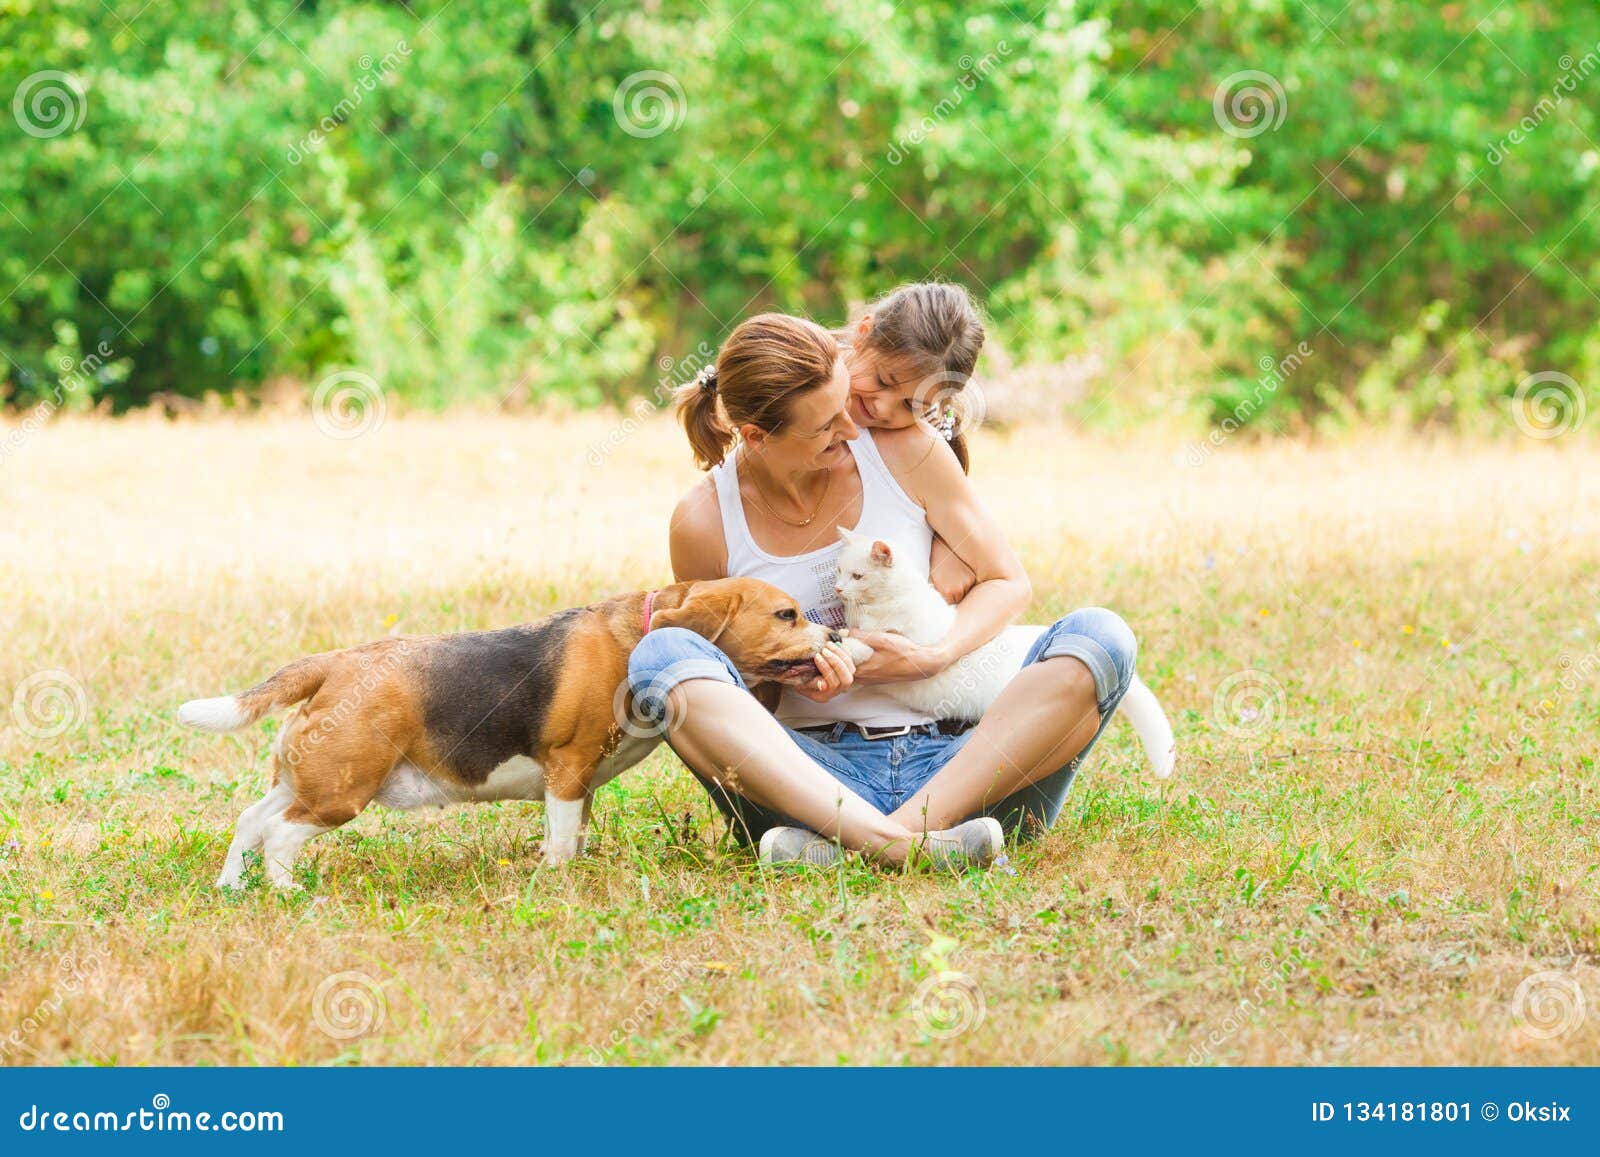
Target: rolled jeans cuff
[(650, 697), (1107, 682)]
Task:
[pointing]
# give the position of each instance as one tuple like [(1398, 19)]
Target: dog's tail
[(1140, 706), (299, 680)]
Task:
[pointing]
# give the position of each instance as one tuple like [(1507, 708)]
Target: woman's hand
[(896, 659), (837, 670), (950, 576)]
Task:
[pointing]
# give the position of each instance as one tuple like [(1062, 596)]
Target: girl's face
[(882, 391), (818, 426)]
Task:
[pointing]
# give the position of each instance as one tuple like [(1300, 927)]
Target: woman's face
[(882, 391), (819, 424)]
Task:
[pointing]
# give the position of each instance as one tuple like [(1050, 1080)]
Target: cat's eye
[(857, 577)]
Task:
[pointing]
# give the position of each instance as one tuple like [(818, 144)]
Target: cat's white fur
[(880, 596)]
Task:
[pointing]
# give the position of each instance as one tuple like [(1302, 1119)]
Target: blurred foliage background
[(485, 201)]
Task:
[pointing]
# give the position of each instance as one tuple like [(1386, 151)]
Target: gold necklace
[(767, 506)]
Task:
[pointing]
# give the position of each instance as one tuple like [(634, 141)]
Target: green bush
[(449, 197)]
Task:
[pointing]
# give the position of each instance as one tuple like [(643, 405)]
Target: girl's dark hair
[(935, 329), (766, 363)]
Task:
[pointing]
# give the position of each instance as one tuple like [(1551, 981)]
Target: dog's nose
[(835, 637)]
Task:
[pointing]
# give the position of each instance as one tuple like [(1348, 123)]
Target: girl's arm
[(927, 470), (951, 577)]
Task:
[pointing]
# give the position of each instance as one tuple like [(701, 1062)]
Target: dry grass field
[(1382, 659)]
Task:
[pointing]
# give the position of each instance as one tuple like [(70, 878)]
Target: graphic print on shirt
[(827, 610)]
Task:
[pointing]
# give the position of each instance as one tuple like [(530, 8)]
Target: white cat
[(880, 596)]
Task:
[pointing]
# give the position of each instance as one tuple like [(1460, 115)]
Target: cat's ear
[(882, 553)]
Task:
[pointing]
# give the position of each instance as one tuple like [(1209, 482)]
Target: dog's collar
[(649, 607)]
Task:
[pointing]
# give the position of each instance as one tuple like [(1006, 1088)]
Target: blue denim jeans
[(887, 772)]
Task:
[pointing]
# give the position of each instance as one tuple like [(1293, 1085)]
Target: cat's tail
[(1141, 709)]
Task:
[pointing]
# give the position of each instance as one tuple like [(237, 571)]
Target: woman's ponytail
[(700, 411)]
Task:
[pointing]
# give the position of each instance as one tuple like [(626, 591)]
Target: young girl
[(910, 354)]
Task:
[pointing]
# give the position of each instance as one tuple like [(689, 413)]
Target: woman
[(842, 762)]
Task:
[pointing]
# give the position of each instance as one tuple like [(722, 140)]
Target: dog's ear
[(768, 694), (882, 553), (706, 613)]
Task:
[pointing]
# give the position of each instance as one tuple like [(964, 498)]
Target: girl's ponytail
[(958, 443)]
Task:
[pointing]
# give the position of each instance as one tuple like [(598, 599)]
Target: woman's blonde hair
[(766, 363)]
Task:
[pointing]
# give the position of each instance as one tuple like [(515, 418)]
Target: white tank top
[(886, 512)]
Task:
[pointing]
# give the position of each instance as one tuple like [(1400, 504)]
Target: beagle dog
[(539, 711)]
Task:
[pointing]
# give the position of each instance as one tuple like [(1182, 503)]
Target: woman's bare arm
[(695, 539)]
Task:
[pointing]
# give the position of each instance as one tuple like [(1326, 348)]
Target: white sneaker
[(974, 844), (791, 845)]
